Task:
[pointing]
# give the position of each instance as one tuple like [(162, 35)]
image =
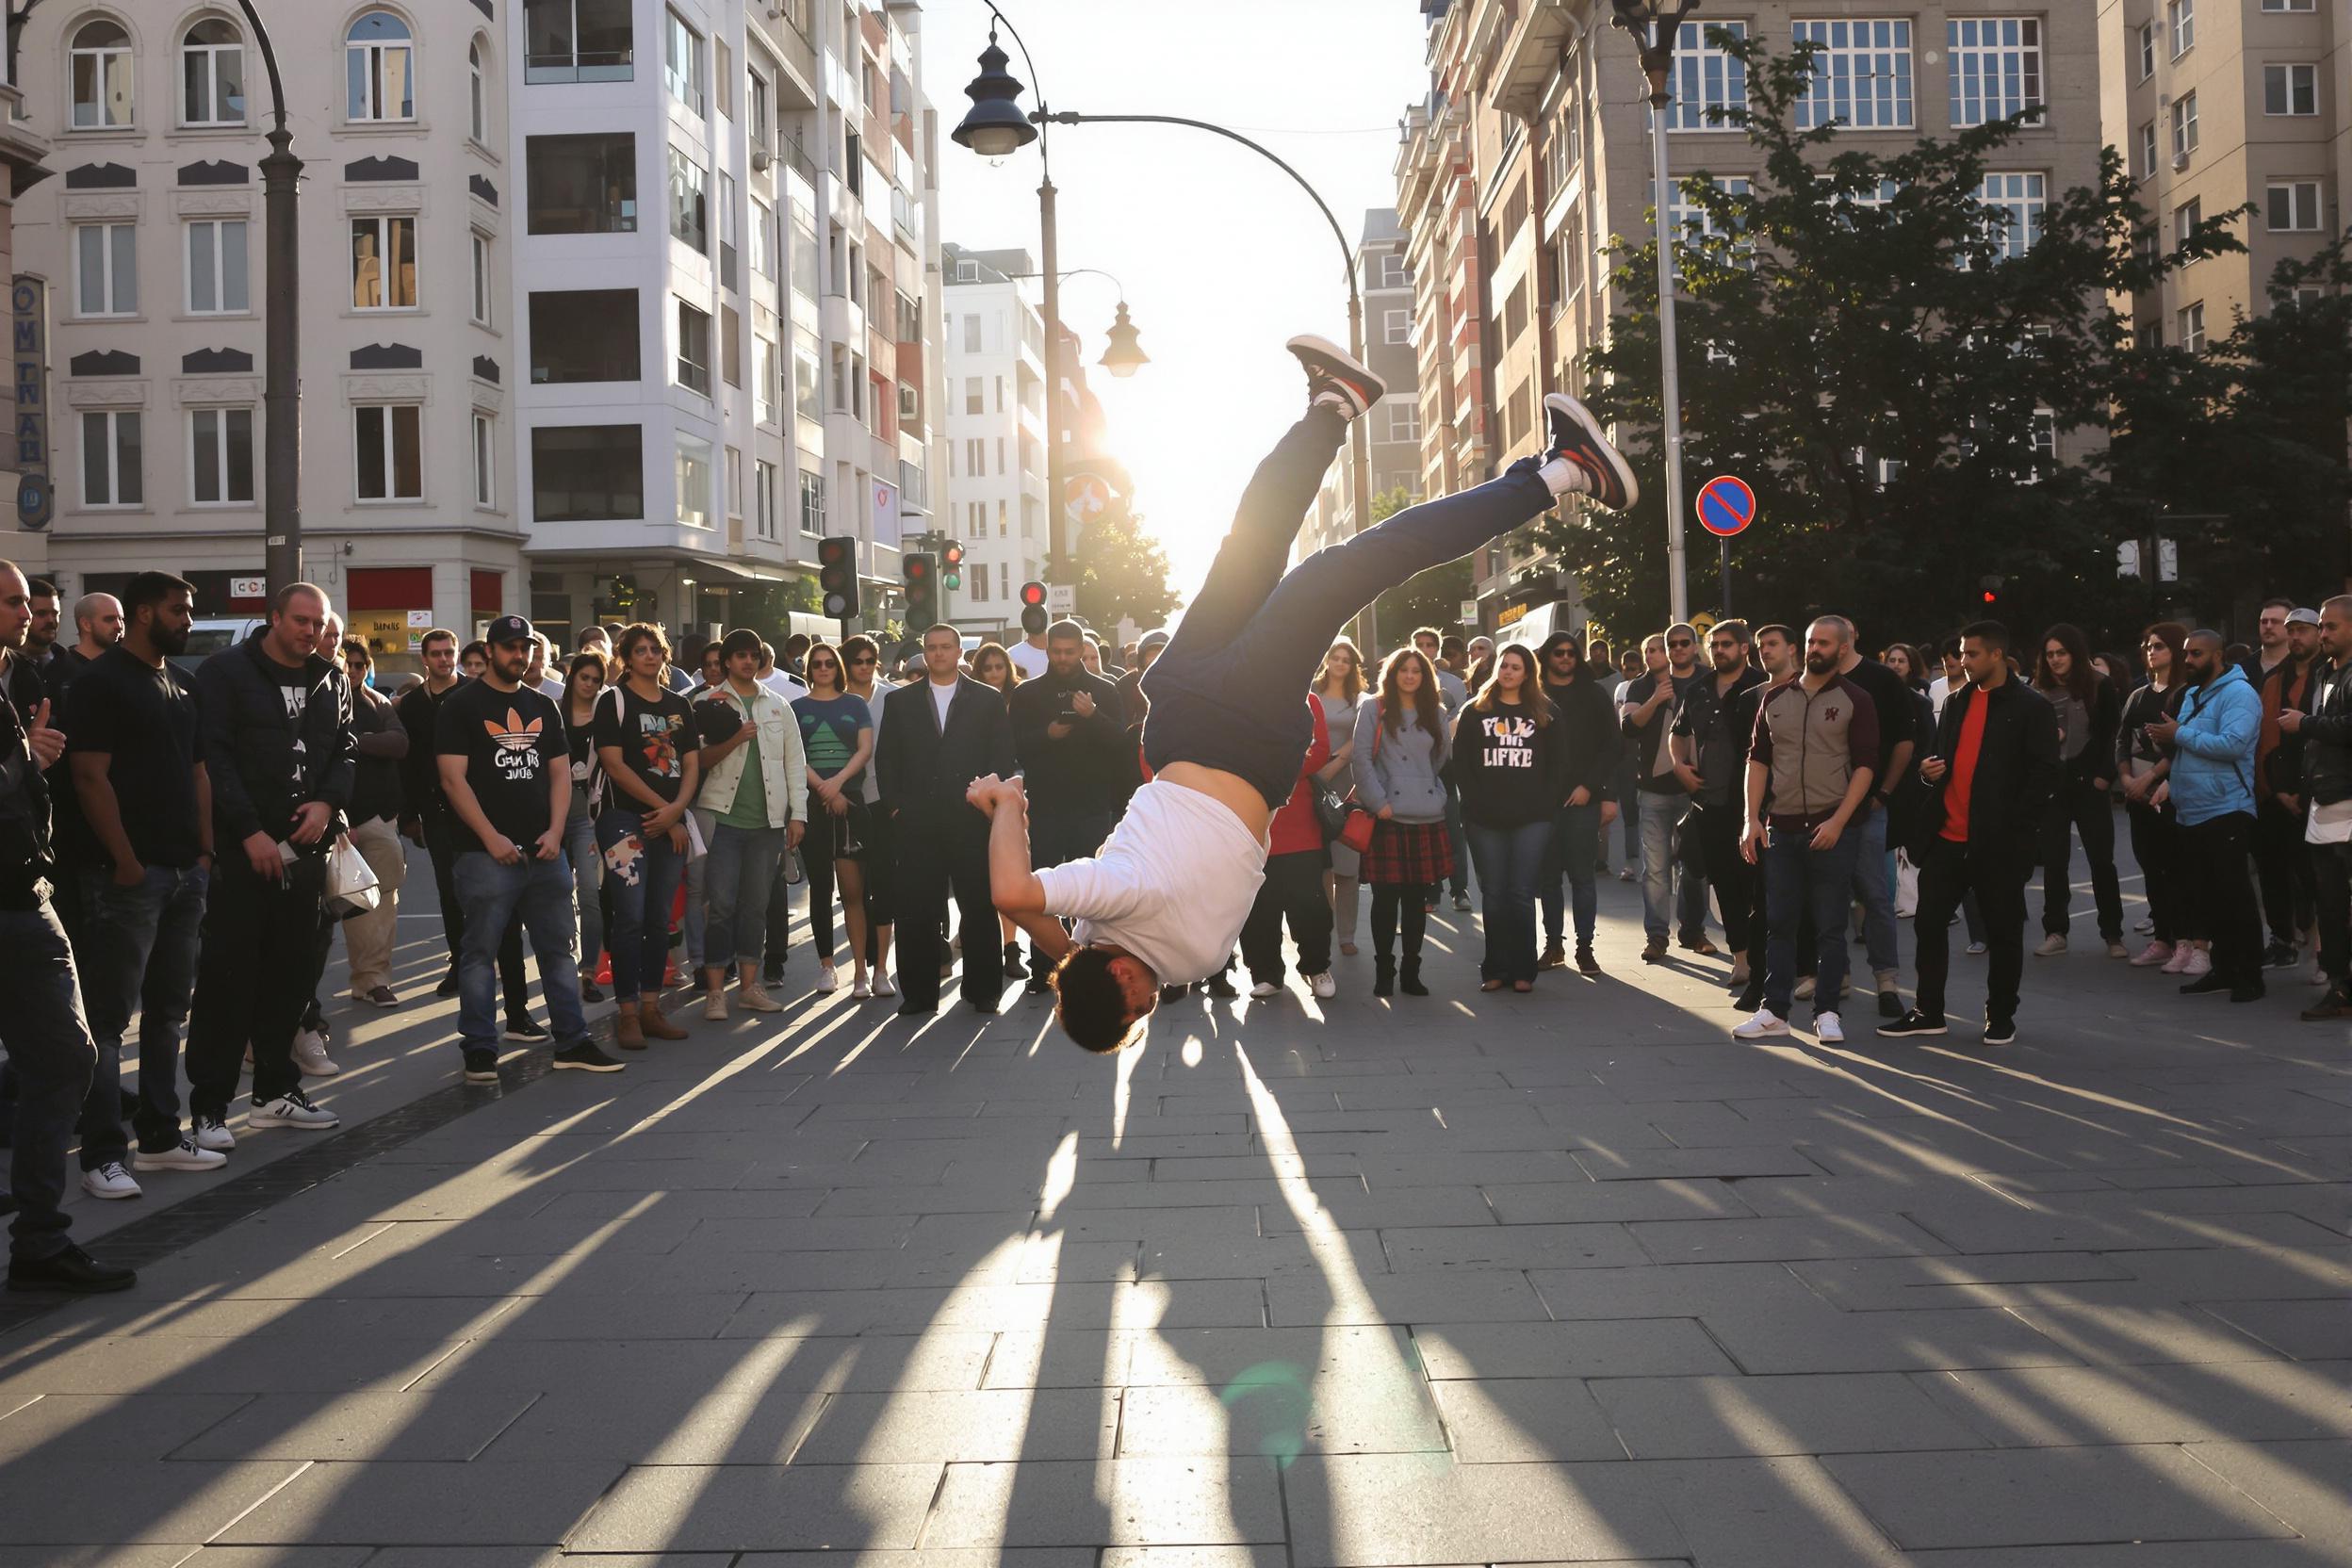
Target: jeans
[(1511, 863), (1874, 885), (1738, 890), (641, 894), (1458, 834), (138, 949), (445, 841), (253, 975), (580, 853), (1228, 693), (1661, 816), (533, 894), (368, 939), (1947, 875), (1576, 846), (1293, 889), (2214, 854), (49, 1045), (738, 877), (2087, 812), (1798, 878)]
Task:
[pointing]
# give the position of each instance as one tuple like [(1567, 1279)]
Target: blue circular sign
[(1727, 505)]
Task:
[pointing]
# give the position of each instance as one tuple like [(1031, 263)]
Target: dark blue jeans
[(537, 895), (49, 1045), (1511, 863), (1798, 877), (1227, 693), (1575, 848), (641, 891), (138, 950)]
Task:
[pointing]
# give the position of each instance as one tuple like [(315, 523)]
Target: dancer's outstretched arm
[(1012, 885)]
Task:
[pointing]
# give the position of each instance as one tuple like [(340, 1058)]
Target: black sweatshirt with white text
[(1510, 771)]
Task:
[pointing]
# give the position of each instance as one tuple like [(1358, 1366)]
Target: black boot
[(1383, 974), (1014, 969), (1409, 978)]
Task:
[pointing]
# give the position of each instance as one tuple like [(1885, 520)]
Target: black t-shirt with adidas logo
[(513, 741)]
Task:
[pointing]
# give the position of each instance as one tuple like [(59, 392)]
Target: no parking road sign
[(1727, 505)]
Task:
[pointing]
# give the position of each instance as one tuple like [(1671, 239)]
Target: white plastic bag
[(1907, 885), (351, 887)]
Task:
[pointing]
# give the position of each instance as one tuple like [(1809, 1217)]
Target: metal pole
[(281, 343), (1722, 569), (1670, 389), (1369, 628), (1056, 531)]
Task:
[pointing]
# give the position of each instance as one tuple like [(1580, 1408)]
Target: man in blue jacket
[(2213, 743)]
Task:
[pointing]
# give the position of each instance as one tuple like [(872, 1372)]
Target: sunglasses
[(1677, 642)]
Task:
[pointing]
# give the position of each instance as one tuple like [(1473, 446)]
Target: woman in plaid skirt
[(1400, 748)]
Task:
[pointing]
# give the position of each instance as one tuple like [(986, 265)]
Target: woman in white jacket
[(751, 810)]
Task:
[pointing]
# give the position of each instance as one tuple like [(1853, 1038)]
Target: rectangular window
[(807, 398), (2185, 218), (975, 399), (105, 270), (2146, 38), (812, 503), (2287, 4), (681, 62), (1996, 64), (763, 493), (215, 268), (2015, 205), (693, 348), (110, 459), (587, 473), (1861, 74), (694, 481), (2181, 20), (1395, 274), (1404, 420), (730, 240), (763, 239), (2292, 206), (689, 218), (980, 584), (100, 64), (1696, 223), (1396, 326), (2147, 150), (212, 77), (1706, 78), (971, 333), (804, 253), (581, 184), (2192, 328), (388, 451), (2290, 89), (2184, 125), (723, 85), (766, 380), (384, 264), (758, 119), (976, 457), (485, 460), (378, 78), (482, 278), (578, 40), (584, 335), (220, 456), (734, 485), (730, 346)]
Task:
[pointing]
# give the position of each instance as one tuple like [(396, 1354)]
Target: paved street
[(1467, 1279)]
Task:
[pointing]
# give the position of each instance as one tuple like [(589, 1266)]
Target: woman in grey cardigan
[(1341, 687), (1400, 747)]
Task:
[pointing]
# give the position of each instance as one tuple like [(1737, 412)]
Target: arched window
[(478, 118), (101, 69), (378, 59), (212, 75)]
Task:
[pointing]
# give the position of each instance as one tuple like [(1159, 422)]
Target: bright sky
[(1223, 258)]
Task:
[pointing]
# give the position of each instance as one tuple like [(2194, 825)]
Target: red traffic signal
[(952, 564), (1032, 595), (918, 567)]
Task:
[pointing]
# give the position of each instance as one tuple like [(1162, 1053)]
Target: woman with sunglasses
[(861, 663)]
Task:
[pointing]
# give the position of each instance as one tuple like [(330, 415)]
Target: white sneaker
[(1324, 986), (1805, 987), (714, 1007), (861, 988), (2144, 925), (827, 980), (1829, 1028), (212, 1134), (183, 1155), (292, 1109), (1977, 950), (1263, 990), (109, 1181), (882, 986), (2153, 955), (310, 1054), (1765, 1022), (2201, 962), (2181, 954)]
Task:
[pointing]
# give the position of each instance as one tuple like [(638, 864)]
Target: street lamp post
[(1653, 25), (1123, 355), (282, 342)]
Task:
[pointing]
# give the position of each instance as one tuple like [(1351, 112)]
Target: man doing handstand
[(1162, 901)]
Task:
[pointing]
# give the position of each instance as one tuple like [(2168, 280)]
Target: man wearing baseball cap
[(2280, 857), (506, 773)]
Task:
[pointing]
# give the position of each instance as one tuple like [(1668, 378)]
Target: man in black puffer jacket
[(2325, 729), (276, 740)]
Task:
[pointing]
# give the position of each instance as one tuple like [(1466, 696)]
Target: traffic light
[(837, 576), (1988, 593), (921, 577), (952, 564), (1032, 616)]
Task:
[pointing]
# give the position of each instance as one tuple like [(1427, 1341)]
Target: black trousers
[(2213, 854), (2087, 812), (445, 841), (1293, 890), (1394, 905), (1948, 872), (2156, 846), (937, 859), (2284, 862), (1058, 836), (252, 979), (2331, 866), (1739, 885)]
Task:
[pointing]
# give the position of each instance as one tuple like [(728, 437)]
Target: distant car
[(208, 635)]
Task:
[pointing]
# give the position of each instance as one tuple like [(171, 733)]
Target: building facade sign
[(35, 500)]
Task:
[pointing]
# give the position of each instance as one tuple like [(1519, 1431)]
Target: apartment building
[(1384, 278), (518, 395), (1532, 149), (995, 432), (2219, 103)]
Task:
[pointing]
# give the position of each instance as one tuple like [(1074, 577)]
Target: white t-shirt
[(1172, 884), (940, 697), (785, 684), (1029, 660)]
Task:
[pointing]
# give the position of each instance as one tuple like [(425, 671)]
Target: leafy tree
[(1123, 571), (1869, 345)]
